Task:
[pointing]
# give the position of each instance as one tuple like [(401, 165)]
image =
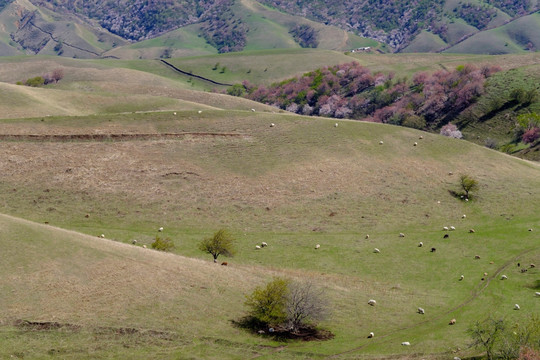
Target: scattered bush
[(452, 131), (35, 81), (162, 244), (467, 183), (289, 306), (530, 136)]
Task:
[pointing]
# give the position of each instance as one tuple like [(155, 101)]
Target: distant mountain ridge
[(92, 28)]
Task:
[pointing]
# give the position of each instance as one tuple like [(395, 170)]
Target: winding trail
[(193, 75), (476, 292)]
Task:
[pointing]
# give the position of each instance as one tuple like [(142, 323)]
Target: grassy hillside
[(294, 185), (207, 161)]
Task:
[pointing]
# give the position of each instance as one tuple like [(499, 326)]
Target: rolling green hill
[(130, 147)]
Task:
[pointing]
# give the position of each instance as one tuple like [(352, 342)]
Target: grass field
[(207, 161)]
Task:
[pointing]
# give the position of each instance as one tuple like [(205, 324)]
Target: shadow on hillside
[(461, 195), (535, 285), (280, 333)]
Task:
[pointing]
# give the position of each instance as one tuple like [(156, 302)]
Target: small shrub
[(491, 143), (162, 244), (531, 135), (452, 131), (35, 81)]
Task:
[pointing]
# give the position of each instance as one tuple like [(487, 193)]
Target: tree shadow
[(281, 333)]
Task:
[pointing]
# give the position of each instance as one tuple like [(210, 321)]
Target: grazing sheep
[(134, 242), (257, 247), (457, 358), (372, 302), (336, 125), (446, 236), (461, 278), (174, 113), (452, 322), (381, 142), (433, 249), (438, 202), (144, 246), (376, 251), (516, 307), (252, 110), (260, 332), (200, 111), (317, 246), (452, 228), (537, 293), (504, 277), (367, 236), (224, 263), (530, 229), (463, 216), (467, 200), (476, 257), (401, 235), (532, 266), (263, 244), (420, 244), (421, 311), (421, 137), (523, 271), (485, 274), (272, 125), (415, 144), (406, 343), (160, 229), (445, 228), (371, 335), (102, 236), (471, 231)]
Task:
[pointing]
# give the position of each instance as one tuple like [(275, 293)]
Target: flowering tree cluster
[(353, 91)]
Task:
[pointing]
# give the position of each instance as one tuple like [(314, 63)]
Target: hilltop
[(135, 29)]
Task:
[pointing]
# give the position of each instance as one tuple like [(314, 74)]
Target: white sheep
[(371, 334), (415, 144), (336, 125), (102, 236), (381, 142), (144, 246), (272, 125), (421, 311), (406, 343), (516, 307), (200, 111), (421, 137), (401, 235), (252, 110), (317, 246), (174, 113), (263, 244), (530, 229), (504, 277), (461, 277), (452, 228), (134, 242), (450, 173), (372, 302), (367, 236), (257, 247), (420, 244), (463, 216), (537, 293), (438, 202), (471, 231), (160, 229), (445, 228), (376, 251)]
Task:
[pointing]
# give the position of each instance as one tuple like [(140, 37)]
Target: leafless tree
[(305, 304)]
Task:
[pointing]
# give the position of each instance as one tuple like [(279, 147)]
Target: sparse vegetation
[(162, 244)]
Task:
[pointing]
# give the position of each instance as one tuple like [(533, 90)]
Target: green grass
[(300, 183), (425, 42), (301, 170)]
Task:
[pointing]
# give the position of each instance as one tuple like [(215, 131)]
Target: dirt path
[(111, 137), (479, 289)]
